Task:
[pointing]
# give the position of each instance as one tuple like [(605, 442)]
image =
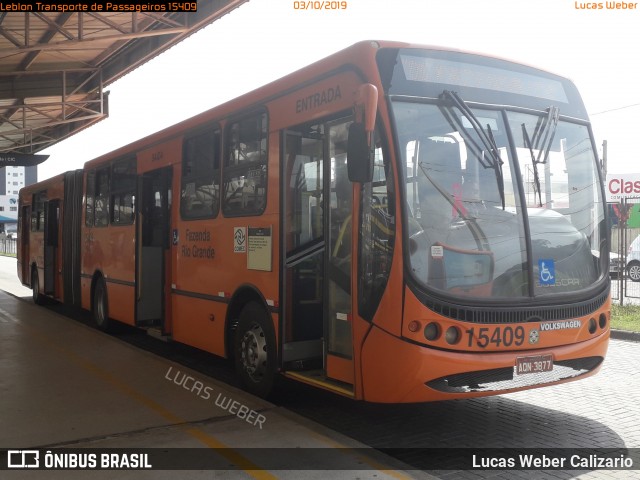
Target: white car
[(633, 260), (615, 264)]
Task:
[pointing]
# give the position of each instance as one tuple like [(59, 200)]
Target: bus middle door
[(152, 242), (24, 257), (51, 225)]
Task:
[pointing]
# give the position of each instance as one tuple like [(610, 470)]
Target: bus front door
[(317, 206), (152, 243)]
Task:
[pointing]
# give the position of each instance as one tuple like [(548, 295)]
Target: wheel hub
[(254, 352)]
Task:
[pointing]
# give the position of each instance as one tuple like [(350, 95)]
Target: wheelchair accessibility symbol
[(546, 271)]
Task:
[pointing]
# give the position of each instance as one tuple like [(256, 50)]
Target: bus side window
[(245, 172), (200, 190), (377, 234), (90, 196), (102, 198), (37, 211), (123, 191)]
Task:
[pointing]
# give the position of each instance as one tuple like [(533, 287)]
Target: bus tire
[(38, 298), (255, 350), (100, 306)]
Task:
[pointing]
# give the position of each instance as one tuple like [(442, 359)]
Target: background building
[(12, 179)]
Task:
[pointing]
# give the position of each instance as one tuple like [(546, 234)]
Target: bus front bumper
[(397, 371)]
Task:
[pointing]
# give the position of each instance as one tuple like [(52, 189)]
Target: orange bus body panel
[(110, 251), (54, 188), (160, 156), (315, 101)]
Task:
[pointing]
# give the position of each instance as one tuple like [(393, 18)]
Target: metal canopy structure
[(54, 67)]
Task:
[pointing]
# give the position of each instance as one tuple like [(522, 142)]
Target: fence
[(8, 246), (623, 289)]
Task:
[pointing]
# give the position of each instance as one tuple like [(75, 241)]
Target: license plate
[(537, 364)]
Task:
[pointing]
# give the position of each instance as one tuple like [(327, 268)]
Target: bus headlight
[(603, 320), (432, 331), (452, 335)]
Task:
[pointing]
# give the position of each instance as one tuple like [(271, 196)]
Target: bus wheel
[(38, 299), (255, 350), (101, 305)]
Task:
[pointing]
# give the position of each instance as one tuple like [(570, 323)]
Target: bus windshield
[(499, 203)]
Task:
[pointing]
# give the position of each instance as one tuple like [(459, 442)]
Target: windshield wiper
[(478, 234), (542, 140), (495, 162)]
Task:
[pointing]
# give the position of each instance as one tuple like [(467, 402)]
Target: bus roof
[(361, 56)]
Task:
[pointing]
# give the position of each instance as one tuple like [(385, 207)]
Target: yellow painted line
[(382, 468), (334, 444), (319, 383), (223, 450)]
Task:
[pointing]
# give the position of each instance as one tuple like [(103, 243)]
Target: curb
[(625, 335)]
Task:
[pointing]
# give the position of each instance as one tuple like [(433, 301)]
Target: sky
[(264, 40)]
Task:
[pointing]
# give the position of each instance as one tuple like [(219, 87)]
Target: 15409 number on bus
[(500, 336)]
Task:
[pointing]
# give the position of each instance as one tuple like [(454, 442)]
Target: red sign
[(624, 185)]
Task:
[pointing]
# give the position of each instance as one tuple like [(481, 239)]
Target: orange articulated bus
[(394, 223)]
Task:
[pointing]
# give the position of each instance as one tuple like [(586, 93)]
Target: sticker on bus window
[(437, 251), (546, 271)]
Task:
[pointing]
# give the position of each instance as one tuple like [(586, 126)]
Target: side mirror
[(361, 147), (359, 154)]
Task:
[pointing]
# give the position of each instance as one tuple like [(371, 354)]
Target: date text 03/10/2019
[(320, 5)]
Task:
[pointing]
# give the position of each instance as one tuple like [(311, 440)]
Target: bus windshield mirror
[(359, 154), (542, 140), (494, 162)]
